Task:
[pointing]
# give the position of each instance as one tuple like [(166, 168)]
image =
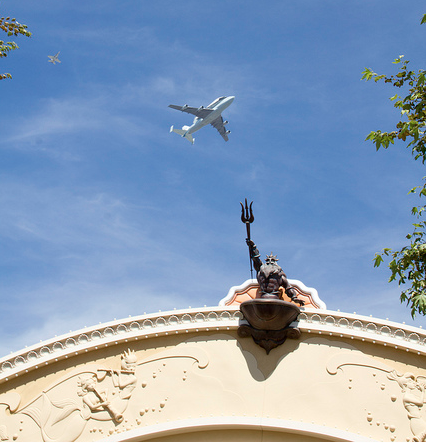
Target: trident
[(247, 219)]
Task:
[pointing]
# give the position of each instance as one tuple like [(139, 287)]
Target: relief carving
[(412, 387), (11, 400), (101, 394), (414, 398), (125, 379), (96, 400), (104, 396), (3, 433), (92, 395)]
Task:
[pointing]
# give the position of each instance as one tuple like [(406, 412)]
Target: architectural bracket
[(269, 322), (268, 339)]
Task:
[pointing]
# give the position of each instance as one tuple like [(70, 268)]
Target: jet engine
[(201, 107), (225, 123), (227, 132), (184, 107)]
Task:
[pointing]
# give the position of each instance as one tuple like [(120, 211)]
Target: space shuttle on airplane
[(54, 58), (203, 116)]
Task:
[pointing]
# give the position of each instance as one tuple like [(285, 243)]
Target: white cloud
[(76, 257)]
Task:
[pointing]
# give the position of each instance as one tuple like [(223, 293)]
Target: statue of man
[(270, 276)]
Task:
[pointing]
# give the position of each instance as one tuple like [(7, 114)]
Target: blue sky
[(106, 214)]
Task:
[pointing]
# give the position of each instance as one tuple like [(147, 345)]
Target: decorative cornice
[(205, 320), (253, 282)]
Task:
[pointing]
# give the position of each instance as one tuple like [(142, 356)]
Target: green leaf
[(377, 260)]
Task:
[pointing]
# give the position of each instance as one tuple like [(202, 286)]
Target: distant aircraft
[(54, 58), (203, 116)]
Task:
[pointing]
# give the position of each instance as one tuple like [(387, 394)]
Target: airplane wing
[(54, 58), (218, 124), (198, 112)]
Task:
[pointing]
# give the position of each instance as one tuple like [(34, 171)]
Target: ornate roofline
[(205, 320), (253, 282)]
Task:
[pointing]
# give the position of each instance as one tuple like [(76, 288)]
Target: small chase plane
[(203, 116), (54, 58)]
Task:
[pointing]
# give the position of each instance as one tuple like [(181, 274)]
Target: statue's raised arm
[(254, 254)]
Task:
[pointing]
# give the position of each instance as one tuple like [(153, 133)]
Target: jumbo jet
[(203, 116), (54, 58)]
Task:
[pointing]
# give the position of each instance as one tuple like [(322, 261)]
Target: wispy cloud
[(93, 257)]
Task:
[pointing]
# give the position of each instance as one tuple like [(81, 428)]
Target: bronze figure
[(269, 316), (271, 277)]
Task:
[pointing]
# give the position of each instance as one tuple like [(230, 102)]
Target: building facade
[(188, 375)]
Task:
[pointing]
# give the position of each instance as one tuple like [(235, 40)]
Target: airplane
[(203, 116), (54, 58)]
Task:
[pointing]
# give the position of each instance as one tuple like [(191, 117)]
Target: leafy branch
[(11, 27), (407, 265), (412, 106)]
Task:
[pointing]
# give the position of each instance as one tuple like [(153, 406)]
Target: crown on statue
[(271, 259)]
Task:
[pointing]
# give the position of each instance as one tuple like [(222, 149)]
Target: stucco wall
[(187, 375)]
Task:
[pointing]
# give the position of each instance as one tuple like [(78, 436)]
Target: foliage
[(11, 27), (408, 265), (413, 106)]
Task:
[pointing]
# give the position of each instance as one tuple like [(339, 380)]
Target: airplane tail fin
[(183, 133)]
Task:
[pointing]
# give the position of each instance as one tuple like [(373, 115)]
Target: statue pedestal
[(269, 320)]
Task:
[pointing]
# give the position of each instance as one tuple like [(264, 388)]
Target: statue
[(269, 316), (271, 277)]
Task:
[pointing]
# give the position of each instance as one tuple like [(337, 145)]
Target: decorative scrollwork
[(108, 332), (32, 355), (19, 361), (147, 324), (83, 338), (371, 327), (212, 316), (121, 329), (57, 346), (385, 330), (225, 315), (160, 322), (134, 326), (315, 318), (336, 323), (70, 342), (45, 351), (96, 335), (7, 366), (399, 333), (357, 324), (186, 318), (343, 323), (199, 317), (328, 320)]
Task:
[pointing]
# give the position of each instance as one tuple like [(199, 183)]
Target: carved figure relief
[(100, 399), (96, 400), (414, 398), (412, 389), (3, 433), (93, 395)]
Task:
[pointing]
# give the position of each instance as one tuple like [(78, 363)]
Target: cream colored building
[(187, 375)]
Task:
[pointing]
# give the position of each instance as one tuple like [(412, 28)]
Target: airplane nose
[(231, 98)]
